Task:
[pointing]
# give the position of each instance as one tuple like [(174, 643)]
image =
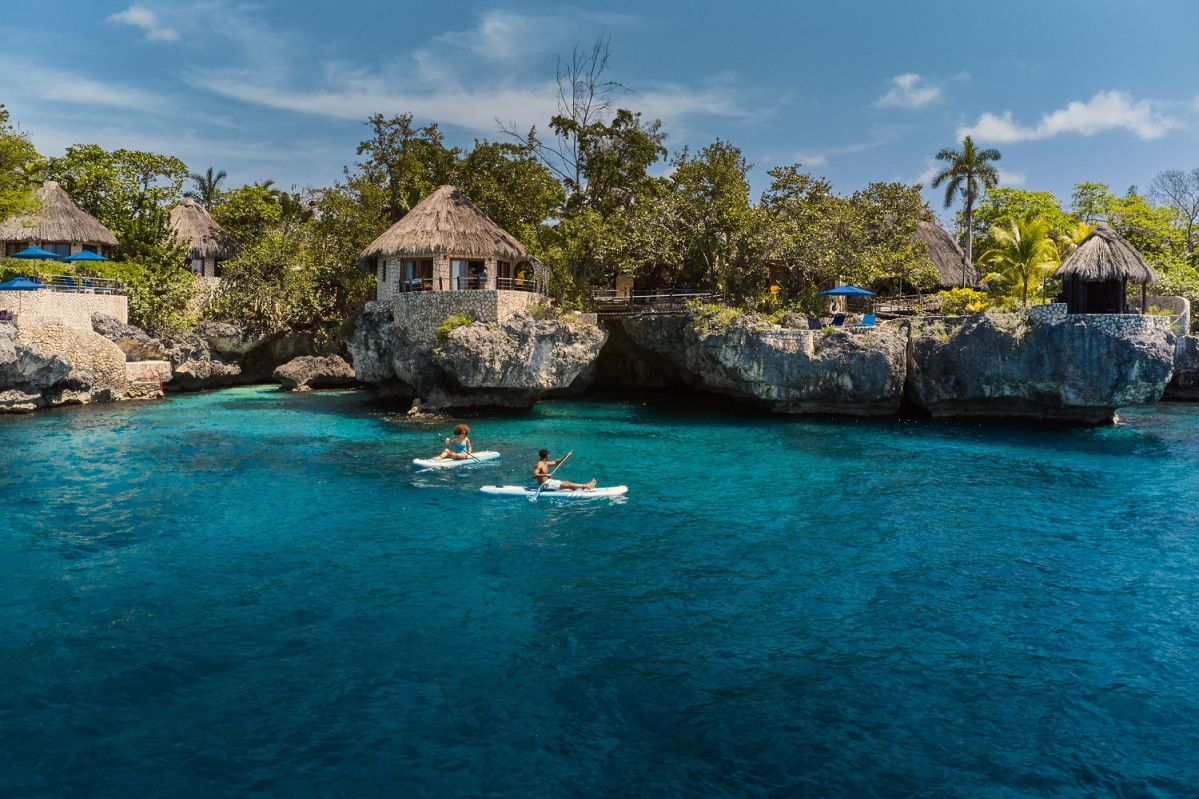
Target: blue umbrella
[(20, 284), (35, 253), (847, 291), (85, 255)]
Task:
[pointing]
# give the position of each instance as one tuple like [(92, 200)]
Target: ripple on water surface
[(251, 592)]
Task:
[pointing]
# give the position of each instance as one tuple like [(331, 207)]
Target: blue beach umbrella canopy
[(85, 255), (847, 291), (36, 253), (20, 284)]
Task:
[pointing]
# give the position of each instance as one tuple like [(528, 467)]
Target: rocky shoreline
[(1037, 366)]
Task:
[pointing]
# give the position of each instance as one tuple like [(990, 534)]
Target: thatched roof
[(1105, 255), (195, 228), (446, 223), (948, 256), (58, 220)]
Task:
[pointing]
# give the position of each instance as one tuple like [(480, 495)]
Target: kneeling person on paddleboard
[(459, 446), (543, 475)]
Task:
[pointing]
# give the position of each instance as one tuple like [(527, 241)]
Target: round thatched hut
[(1095, 276), (446, 243), (207, 242), (58, 226), (948, 256)]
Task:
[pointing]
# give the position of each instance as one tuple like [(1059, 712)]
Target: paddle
[(550, 476)]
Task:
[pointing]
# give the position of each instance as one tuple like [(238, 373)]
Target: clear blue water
[(252, 593)]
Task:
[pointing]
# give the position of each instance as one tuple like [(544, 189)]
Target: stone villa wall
[(68, 308), (417, 315), (87, 352), (1179, 308), (1111, 323)]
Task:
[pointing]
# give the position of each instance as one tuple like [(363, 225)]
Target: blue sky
[(855, 91)]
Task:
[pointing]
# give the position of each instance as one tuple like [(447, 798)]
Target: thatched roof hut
[(195, 228), (948, 256), (445, 224), (1095, 276), (57, 221), (1105, 255)]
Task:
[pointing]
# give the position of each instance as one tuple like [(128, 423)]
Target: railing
[(471, 284), (663, 299), (81, 284)]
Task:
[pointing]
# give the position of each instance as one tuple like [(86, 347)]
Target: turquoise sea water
[(252, 593)]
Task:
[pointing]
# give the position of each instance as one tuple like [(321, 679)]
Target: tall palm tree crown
[(208, 186), (1023, 250), (967, 172)]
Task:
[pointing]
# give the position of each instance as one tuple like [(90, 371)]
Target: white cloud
[(466, 78), (909, 91), (1011, 178), (148, 21), (1114, 110), (21, 79), (931, 168)]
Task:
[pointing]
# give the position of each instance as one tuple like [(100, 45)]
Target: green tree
[(1001, 205), (512, 187), (207, 187), (1021, 251), (17, 157), (247, 213), (967, 172), (409, 163)]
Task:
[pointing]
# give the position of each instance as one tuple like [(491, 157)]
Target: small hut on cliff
[(207, 242), (447, 243), (947, 256), (1095, 276), (58, 225)]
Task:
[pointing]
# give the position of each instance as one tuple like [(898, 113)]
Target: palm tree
[(208, 187), (968, 172), (1021, 250)]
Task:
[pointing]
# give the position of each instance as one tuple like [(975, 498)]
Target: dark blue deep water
[(253, 593)]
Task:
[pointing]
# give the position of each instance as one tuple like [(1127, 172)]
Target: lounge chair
[(838, 320), (867, 321), (70, 283)]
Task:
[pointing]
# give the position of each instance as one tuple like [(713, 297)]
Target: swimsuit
[(460, 447)]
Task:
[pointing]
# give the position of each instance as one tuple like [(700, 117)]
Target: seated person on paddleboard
[(541, 473), (459, 446)]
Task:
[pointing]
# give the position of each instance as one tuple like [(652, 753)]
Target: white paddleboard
[(434, 463), (529, 491)]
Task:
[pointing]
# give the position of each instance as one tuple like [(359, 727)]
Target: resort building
[(445, 243), (948, 256), (207, 242), (1095, 276), (58, 226)]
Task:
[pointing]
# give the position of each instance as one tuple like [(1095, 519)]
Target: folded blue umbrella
[(20, 284)]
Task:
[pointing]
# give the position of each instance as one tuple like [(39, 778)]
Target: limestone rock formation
[(308, 372), (218, 354), (197, 366), (50, 364), (133, 341), (858, 372), (1184, 384), (1076, 369), (513, 363)]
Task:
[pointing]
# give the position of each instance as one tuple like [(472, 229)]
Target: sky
[(854, 91)]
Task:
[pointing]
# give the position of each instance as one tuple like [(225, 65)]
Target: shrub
[(451, 324), (961, 301)]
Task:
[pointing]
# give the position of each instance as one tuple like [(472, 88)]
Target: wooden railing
[(471, 284), (661, 300), (81, 284)]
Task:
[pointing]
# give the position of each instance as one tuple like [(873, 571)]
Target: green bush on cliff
[(451, 324), (962, 301)]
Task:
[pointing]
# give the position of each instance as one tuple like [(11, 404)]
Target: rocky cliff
[(1076, 369), (513, 363), (50, 364), (853, 371), (1184, 384), (217, 354)]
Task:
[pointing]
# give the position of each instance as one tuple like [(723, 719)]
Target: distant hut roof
[(947, 255), (58, 220), (1105, 255), (447, 223), (195, 228)]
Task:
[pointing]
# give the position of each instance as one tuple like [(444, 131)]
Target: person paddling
[(458, 447), (542, 474)]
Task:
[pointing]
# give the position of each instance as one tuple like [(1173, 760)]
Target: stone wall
[(68, 308), (417, 315), (1050, 314), (1115, 324), (1179, 308)]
